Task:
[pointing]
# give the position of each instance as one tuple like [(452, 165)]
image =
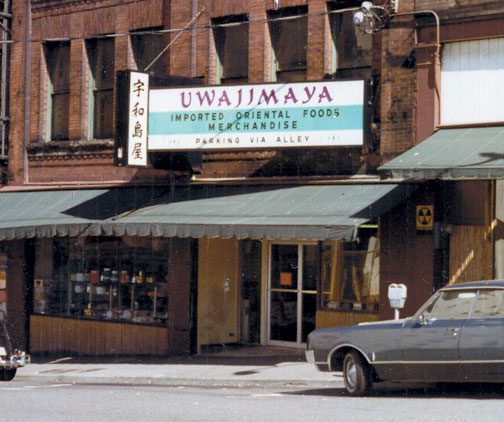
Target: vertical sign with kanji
[(138, 116)]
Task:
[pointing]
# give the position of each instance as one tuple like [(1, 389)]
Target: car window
[(453, 305), (489, 304)]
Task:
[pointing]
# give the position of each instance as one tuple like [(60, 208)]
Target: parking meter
[(397, 294)]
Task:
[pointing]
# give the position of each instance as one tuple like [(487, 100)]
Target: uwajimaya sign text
[(257, 116)]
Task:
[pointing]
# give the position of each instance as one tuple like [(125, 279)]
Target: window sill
[(66, 148), (160, 322), (350, 307)]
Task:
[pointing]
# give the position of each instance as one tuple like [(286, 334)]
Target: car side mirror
[(422, 320)]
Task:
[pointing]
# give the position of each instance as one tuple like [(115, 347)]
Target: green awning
[(64, 212), (470, 153), (315, 212)]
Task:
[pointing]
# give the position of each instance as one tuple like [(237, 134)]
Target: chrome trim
[(341, 346), (435, 362), (310, 356), (15, 361), (483, 287)]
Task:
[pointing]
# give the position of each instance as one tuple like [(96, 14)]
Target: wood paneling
[(340, 318), (53, 334), (470, 254)]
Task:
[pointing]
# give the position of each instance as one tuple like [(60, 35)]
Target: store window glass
[(147, 44), (351, 48), (231, 44), (121, 279), (58, 69), (289, 39), (101, 62), (351, 274)]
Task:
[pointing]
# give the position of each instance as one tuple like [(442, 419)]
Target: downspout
[(27, 93), (194, 39), (437, 54)]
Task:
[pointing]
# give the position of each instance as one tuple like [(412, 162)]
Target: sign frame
[(132, 111), (298, 98)]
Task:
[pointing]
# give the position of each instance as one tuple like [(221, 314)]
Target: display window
[(119, 279), (351, 273)]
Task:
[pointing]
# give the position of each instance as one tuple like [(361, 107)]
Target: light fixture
[(276, 4), (370, 18)]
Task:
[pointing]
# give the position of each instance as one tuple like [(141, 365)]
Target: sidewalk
[(244, 366)]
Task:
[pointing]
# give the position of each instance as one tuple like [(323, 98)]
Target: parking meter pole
[(396, 313)]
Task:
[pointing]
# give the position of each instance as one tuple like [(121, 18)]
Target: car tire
[(7, 374), (356, 374)]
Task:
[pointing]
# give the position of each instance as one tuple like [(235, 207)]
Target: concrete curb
[(180, 382)]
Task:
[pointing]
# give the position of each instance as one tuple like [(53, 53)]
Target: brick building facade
[(206, 282)]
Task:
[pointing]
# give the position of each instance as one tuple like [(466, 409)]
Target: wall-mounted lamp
[(276, 4), (370, 18)]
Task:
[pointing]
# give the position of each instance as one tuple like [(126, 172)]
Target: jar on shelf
[(124, 277), (106, 275), (114, 277), (94, 276)]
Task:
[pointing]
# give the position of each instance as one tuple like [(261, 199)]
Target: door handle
[(453, 331)]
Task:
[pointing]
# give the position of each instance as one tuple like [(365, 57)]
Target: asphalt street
[(42, 401)]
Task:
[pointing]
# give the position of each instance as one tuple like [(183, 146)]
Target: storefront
[(313, 284), (162, 271)]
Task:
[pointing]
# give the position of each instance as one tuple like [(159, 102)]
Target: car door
[(482, 338), (430, 342)]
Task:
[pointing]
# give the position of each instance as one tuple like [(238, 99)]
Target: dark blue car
[(456, 336)]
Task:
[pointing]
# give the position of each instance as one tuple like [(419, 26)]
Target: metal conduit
[(5, 18)]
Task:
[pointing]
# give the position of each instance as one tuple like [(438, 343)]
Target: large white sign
[(309, 114), (138, 119)]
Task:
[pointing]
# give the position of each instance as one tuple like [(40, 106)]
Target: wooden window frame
[(102, 86), (227, 32), (57, 56), (293, 22)]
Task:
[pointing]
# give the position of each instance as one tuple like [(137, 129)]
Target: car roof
[(499, 284)]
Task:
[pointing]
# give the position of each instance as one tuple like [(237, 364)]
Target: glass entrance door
[(292, 292)]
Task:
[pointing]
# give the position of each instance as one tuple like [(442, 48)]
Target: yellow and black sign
[(425, 217)]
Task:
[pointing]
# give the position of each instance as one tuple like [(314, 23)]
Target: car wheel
[(356, 374), (7, 374)]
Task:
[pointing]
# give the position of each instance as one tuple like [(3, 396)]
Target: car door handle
[(453, 331)]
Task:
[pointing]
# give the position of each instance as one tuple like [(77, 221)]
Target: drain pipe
[(27, 93), (194, 39)]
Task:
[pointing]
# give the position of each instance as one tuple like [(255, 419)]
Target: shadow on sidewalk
[(246, 355)]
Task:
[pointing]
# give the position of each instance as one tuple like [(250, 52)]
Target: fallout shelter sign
[(425, 217), (310, 114)]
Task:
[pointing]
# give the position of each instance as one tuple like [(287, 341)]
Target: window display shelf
[(106, 279)]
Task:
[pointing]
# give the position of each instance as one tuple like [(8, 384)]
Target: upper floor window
[(58, 69), (147, 44), (471, 82), (231, 44), (351, 48), (289, 39), (101, 62)]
